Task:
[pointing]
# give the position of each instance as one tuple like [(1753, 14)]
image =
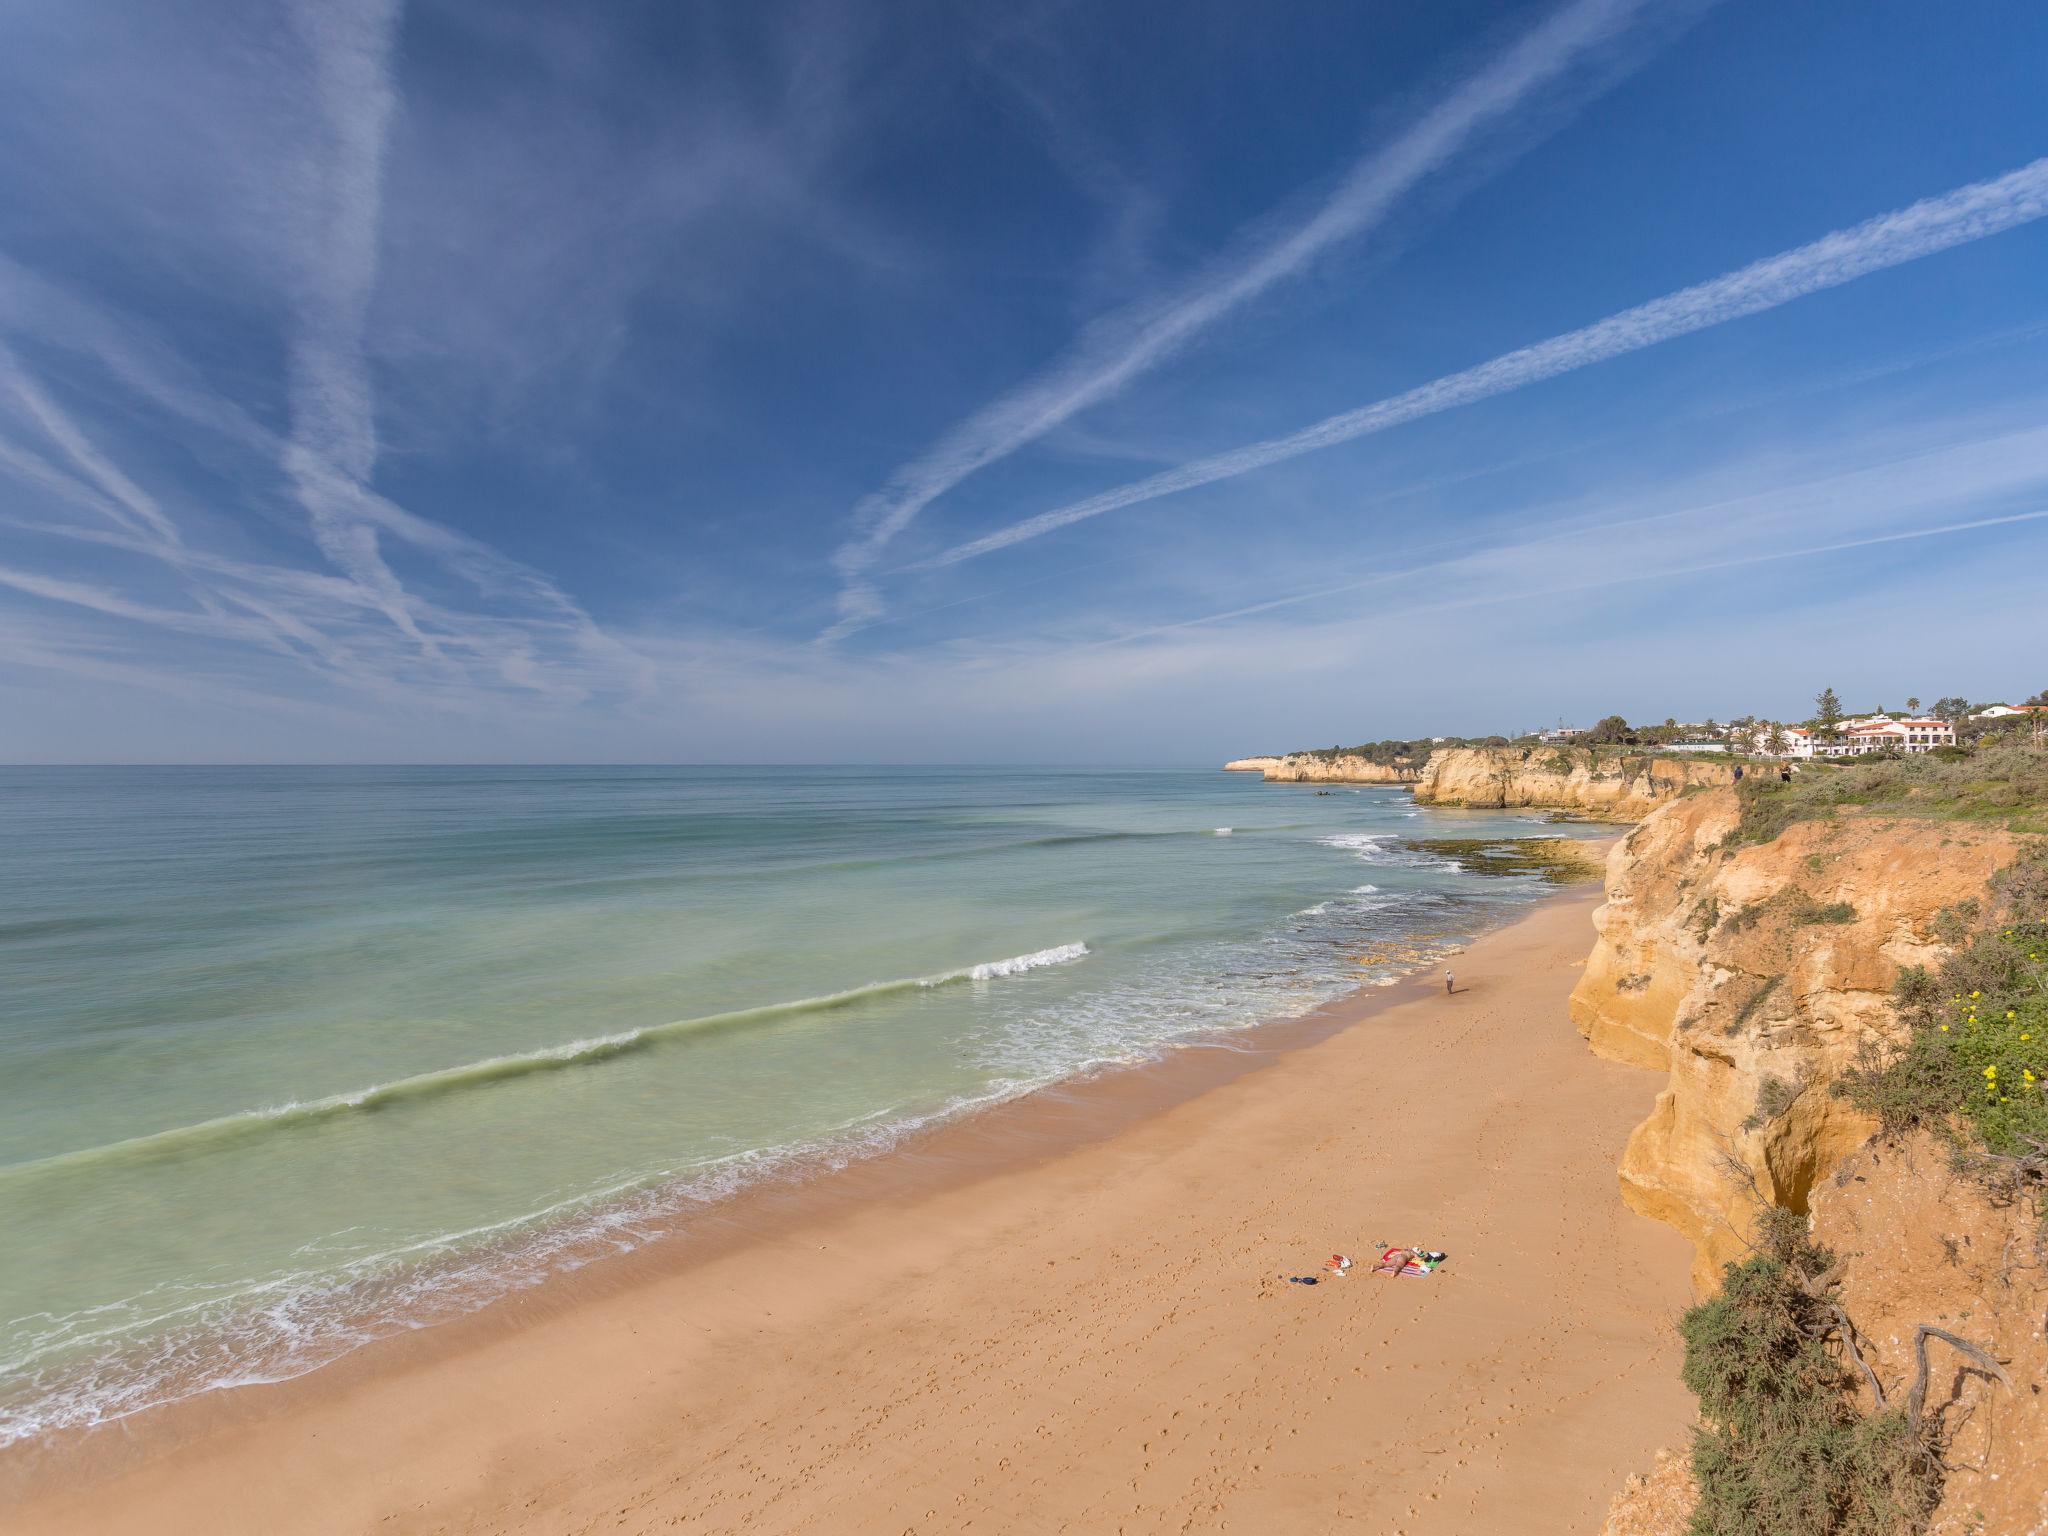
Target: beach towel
[(1409, 1261)]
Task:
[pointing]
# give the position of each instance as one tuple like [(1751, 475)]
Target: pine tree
[(1827, 712)]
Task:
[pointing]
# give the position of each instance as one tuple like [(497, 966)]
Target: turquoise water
[(295, 1058)]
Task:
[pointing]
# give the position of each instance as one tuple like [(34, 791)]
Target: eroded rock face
[(1322, 768), (1925, 1244), (1753, 977), (1612, 786), (1922, 1244)]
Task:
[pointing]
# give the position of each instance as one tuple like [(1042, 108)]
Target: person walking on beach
[(1448, 987)]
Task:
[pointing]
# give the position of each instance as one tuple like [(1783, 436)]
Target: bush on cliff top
[(1385, 753)]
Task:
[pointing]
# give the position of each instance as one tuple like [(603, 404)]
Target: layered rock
[(1607, 785), (1753, 976), (1327, 768)]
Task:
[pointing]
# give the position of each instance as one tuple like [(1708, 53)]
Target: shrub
[(1705, 916), (1772, 1100), (1782, 1447), (1832, 912), (1751, 1004), (1994, 1027), (1952, 924), (1975, 1058), (2003, 781)]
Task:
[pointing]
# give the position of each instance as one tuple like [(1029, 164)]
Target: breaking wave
[(226, 1129)]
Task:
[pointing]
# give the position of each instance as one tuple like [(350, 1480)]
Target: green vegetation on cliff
[(2001, 781), (1800, 1432), (1974, 1063), (1783, 1448)]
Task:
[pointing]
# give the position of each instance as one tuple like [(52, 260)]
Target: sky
[(487, 381)]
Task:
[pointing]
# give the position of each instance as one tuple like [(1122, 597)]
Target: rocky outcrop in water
[(1607, 785)]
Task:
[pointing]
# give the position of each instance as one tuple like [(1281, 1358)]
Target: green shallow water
[(293, 1058)]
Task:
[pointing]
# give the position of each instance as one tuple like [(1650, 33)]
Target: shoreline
[(895, 1224)]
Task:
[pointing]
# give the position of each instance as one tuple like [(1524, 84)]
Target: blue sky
[(388, 381)]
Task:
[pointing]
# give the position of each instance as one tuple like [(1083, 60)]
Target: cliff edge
[(1327, 768), (1752, 974), (1752, 970), (1606, 785)]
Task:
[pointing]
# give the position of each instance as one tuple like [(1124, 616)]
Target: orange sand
[(1091, 1339)]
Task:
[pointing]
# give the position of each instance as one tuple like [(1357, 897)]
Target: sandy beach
[(1091, 1333)]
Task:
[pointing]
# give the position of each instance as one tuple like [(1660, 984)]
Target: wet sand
[(1066, 1315)]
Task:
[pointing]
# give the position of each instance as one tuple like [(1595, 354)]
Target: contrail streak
[(1935, 224), (1121, 347), (1690, 567)]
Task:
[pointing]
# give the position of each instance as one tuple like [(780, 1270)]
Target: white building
[(1875, 735), (1796, 743), (1862, 736)]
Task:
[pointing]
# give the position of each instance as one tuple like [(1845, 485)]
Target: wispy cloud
[(333, 448), (1120, 347), (530, 638), (123, 500), (1927, 227)]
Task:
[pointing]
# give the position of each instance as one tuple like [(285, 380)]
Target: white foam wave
[(574, 1053), (1223, 831), (1322, 907), (1016, 965), (1370, 846)]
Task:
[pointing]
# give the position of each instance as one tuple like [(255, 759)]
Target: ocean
[(296, 1058)]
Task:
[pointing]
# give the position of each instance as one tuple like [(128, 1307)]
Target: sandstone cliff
[(1327, 768), (1923, 1245), (1752, 976), (1608, 785)]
